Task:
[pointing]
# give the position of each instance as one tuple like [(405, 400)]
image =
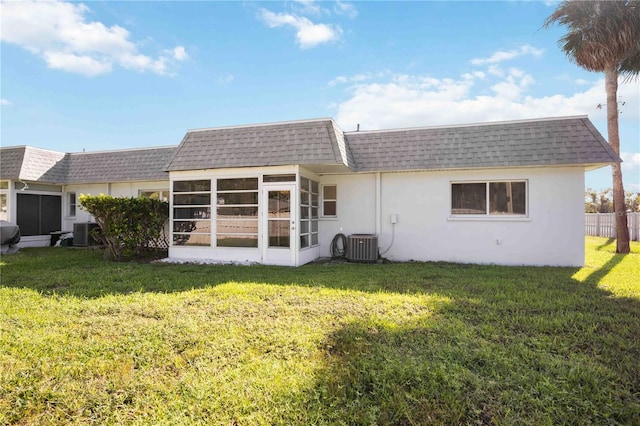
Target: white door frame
[(287, 256)]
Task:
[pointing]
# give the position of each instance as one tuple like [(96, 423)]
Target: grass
[(88, 342)]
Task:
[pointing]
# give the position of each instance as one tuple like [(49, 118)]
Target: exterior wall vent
[(362, 248), (82, 234)]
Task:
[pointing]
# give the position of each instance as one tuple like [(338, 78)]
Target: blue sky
[(112, 75)]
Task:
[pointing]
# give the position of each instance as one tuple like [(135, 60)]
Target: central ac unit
[(82, 234), (362, 248)]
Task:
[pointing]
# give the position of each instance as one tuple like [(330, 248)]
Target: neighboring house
[(505, 193), (39, 188)]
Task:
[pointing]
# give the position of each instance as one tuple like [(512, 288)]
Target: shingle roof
[(34, 164), (542, 142), (11, 162), (321, 145), (119, 166), (309, 142)]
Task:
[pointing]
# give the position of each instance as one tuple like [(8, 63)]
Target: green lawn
[(88, 342)]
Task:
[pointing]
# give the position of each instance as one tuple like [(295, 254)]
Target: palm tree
[(604, 36)]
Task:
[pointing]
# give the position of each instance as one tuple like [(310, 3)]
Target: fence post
[(598, 224)]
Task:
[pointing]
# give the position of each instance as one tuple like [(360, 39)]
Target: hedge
[(129, 226)]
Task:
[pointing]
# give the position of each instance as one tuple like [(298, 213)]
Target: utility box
[(82, 234), (362, 248)]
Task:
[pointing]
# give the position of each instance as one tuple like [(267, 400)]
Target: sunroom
[(268, 215), (251, 194)]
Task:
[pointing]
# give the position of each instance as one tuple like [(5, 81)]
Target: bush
[(129, 226)]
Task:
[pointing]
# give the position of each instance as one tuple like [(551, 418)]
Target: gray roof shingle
[(543, 142), (309, 142), (34, 164), (119, 166), (321, 145), (11, 162)]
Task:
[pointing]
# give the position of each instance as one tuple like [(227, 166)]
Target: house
[(39, 188), (505, 192)]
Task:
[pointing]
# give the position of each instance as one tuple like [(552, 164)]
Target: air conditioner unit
[(82, 234), (362, 248)]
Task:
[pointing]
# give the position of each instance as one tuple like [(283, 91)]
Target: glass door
[(279, 221)]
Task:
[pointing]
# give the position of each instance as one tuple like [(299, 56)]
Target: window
[(237, 212), (3, 207), (309, 200), (329, 200), (4, 214), (278, 178), (162, 195), (489, 198), (192, 213), (71, 204)]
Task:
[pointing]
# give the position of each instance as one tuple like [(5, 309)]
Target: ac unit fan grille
[(82, 234), (362, 248)]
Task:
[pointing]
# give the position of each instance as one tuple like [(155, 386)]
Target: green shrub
[(129, 226)]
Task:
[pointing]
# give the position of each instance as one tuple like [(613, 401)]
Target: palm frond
[(600, 34)]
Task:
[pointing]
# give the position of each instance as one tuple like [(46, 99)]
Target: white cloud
[(400, 100), (513, 85), (180, 54), (308, 34), (76, 63), (345, 8), (60, 34), (5, 102), (358, 78), (633, 187), (502, 55), (309, 7), (388, 100), (226, 79), (341, 79), (630, 161)]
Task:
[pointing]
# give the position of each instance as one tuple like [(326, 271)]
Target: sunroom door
[(279, 242)]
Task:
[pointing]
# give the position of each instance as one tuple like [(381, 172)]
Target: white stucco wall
[(551, 234), (356, 207), (118, 189)]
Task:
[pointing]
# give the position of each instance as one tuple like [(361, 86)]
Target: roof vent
[(362, 248)]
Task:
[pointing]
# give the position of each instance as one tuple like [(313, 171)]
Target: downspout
[(378, 203)]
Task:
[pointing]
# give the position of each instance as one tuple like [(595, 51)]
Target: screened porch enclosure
[(266, 218)]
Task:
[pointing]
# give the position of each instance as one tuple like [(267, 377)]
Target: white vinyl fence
[(604, 225)]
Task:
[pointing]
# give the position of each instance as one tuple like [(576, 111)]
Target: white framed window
[(192, 213), (489, 198), (329, 200), (309, 199), (4, 214), (155, 194), (71, 204), (4, 187)]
